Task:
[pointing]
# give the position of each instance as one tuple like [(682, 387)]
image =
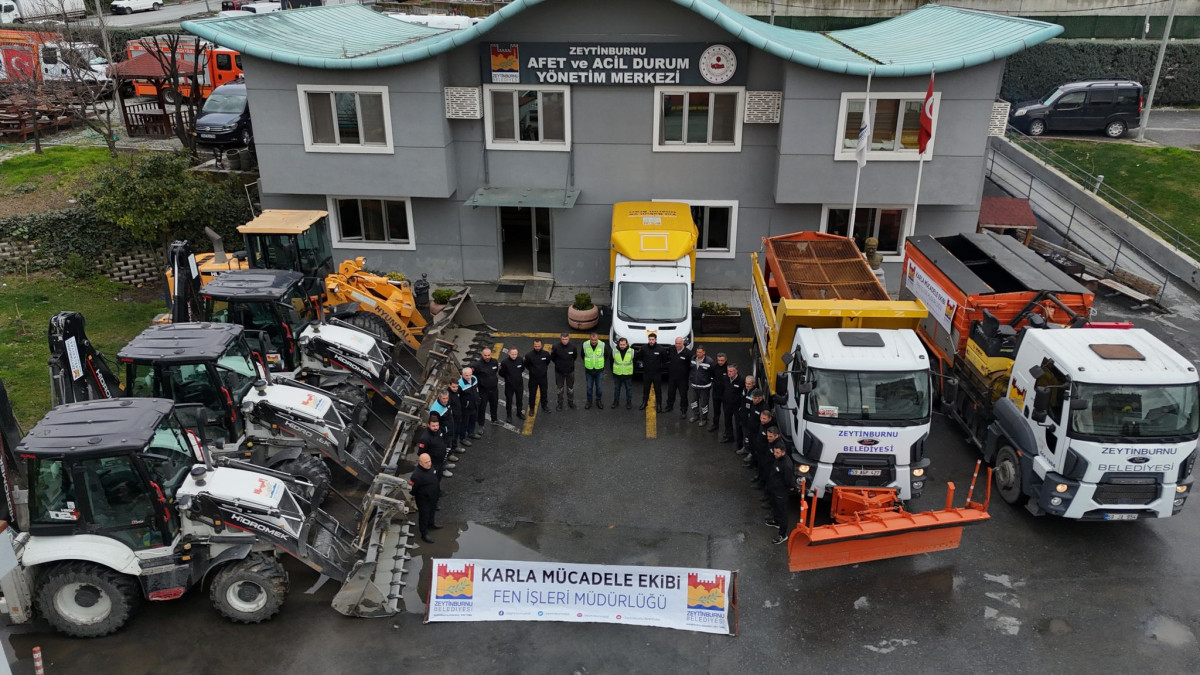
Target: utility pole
[(1162, 51), (104, 33), (772, 12)]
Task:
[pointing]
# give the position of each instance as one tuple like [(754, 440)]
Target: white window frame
[(739, 111), (302, 91), (841, 154), (732, 205), (539, 146), (335, 229), (906, 229)]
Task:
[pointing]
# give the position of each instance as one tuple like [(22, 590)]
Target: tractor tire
[(315, 471), (354, 396), (1006, 475), (250, 590), (87, 600), (373, 325)]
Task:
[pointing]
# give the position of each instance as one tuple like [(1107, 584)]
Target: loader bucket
[(871, 524), (461, 324), (374, 584)]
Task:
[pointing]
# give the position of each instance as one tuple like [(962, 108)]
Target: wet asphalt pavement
[(1020, 595)]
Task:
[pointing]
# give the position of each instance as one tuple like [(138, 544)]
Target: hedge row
[(58, 234), (1036, 71)]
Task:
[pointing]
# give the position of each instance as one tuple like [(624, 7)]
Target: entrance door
[(525, 242)]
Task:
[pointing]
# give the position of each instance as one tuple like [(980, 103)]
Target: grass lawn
[(114, 312), (62, 163), (1163, 180)]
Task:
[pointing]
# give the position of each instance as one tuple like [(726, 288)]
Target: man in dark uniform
[(743, 413), (456, 415), (468, 386), (426, 489), (537, 364), (760, 455), (718, 390), (653, 357), (511, 371), (433, 443), (781, 479), (564, 355), (678, 364), (487, 370), (731, 398), (700, 380)]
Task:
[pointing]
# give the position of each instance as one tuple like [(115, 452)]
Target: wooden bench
[(1119, 288)]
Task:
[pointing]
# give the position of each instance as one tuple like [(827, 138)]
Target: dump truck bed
[(960, 276), (818, 266)]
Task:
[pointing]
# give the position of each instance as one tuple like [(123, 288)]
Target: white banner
[(510, 590), (941, 307)]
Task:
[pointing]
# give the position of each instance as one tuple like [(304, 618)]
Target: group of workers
[(705, 389)]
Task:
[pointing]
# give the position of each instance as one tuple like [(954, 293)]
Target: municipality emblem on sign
[(455, 584), (718, 63)]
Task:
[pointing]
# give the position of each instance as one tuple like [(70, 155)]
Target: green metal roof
[(351, 37)]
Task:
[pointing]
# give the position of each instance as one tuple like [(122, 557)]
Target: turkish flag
[(926, 132)]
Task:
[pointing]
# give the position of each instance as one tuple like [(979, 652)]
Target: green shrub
[(583, 301), (76, 267), (1036, 71), (716, 308), (442, 295)]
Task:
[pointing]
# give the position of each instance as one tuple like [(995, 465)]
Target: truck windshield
[(1136, 411), (850, 395), (651, 302), (169, 456), (237, 370)]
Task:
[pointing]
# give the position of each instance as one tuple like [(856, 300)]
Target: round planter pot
[(583, 319), (435, 309)]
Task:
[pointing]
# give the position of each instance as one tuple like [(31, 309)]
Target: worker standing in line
[(760, 453), (732, 393), (433, 442), (679, 362), (743, 413), (468, 384), (487, 370), (718, 390), (441, 408), (594, 352), (564, 354), (622, 368), (700, 381), (460, 420), (511, 370), (653, 357), (537, 365), (426, 489), (781, 478)]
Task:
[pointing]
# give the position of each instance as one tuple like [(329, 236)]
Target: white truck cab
[(131, 6), (653, 267), (1102, 425), (857, 408)]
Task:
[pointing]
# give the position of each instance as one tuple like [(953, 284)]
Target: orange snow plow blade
[(871, 524)]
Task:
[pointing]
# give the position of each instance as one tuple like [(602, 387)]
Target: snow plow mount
[(872, 524)]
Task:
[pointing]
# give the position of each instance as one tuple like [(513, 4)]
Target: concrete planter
[(721, 323), (583, 319)]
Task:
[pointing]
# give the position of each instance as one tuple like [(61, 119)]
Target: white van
[(261, 7)]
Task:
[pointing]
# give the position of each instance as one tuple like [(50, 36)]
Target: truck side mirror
[(787, 359), (1078, 404), (950, 391), (1041, 404), (781, 384), (1036, 372)]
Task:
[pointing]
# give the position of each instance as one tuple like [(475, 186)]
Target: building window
[(345, 119), (527, 119), (702, 119), (895, 125), (716, 225), (888, 224), (372, 223)]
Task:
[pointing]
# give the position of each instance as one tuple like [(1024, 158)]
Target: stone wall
[(130, 267)]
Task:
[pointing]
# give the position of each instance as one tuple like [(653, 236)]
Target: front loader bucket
[(460, 324), (871, 524), (373, 586)]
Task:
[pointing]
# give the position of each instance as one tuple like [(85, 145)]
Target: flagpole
[(920, 166), (859, 165)]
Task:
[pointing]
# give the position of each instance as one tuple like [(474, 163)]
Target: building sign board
[(616, 63)]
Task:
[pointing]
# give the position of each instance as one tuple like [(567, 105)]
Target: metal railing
[(1083, 231), (1118, 200)]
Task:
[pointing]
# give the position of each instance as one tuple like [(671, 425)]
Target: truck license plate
[(208, 135), (866, 472), (1120, 516)]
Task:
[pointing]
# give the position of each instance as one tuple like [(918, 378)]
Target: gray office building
[(498, 151)]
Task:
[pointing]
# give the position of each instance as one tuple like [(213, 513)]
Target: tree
[(22, 78), (91, 91), (181, 58), (157, 197)]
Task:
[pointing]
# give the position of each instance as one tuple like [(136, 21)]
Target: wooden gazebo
[(155, 117), (1007, 215)]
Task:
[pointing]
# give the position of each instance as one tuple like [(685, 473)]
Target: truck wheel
[(373, 325), (86, 600), (1006, 475), (250, 590), (312, 469)]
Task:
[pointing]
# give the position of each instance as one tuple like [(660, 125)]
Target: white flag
[(864, 133)]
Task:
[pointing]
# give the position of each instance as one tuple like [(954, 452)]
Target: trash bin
[(421, 291)]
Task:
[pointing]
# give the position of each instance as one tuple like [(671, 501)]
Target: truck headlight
[(1061, 487), (917, 473), (1181, 488), (803, 468)]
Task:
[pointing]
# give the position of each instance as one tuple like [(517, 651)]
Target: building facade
[(498, 151)]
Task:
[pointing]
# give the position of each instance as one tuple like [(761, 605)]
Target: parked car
[(261, 7), (225, 118), (1111, 106), (131, 6)]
